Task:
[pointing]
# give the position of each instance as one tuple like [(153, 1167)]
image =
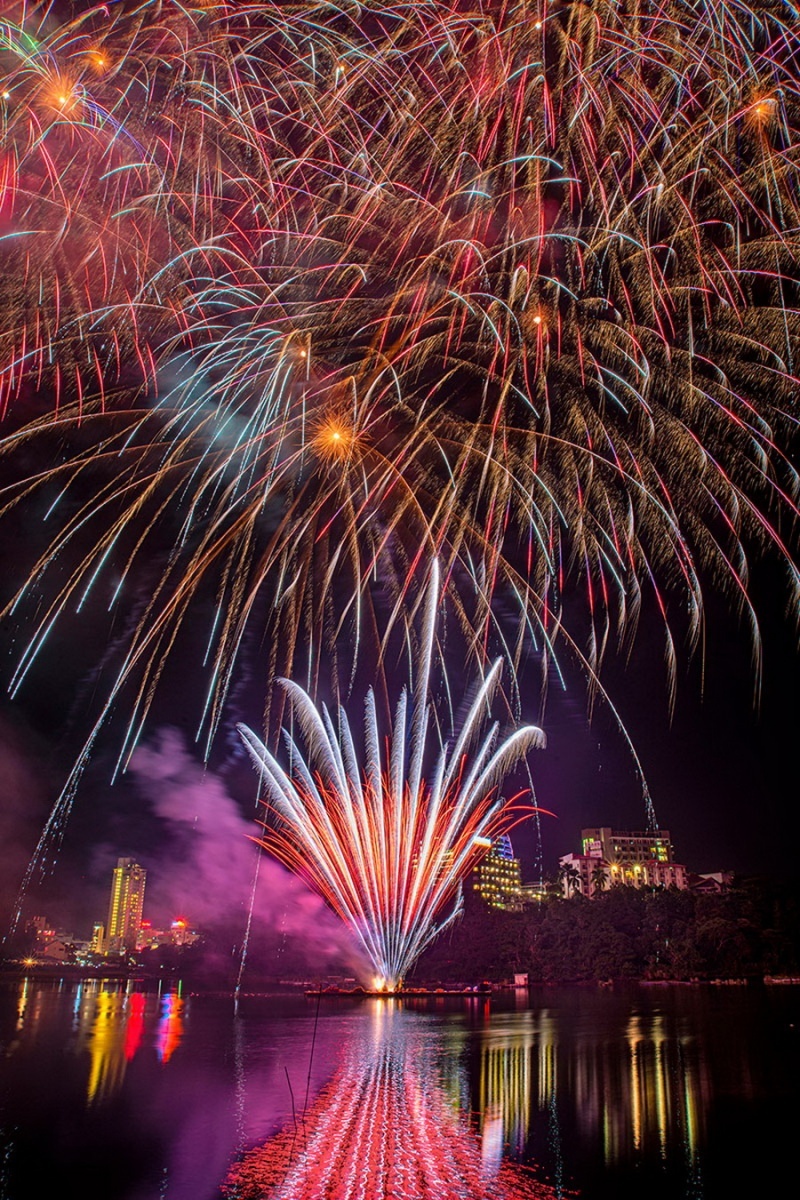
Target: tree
[(570, 876), (600, 879)]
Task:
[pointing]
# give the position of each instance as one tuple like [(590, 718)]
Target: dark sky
[(722, 771)]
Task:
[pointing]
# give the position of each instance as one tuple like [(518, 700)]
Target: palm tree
[(600, 879), (570, 877)]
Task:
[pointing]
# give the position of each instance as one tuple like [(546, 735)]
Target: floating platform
[(411, 993)]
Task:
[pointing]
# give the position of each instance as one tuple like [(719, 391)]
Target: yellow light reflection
[(634, 1041), (112, 1025), (636, 1091), (22, 1003), (107, 1056)]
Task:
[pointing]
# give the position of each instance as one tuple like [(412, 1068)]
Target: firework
[(513, 285), (387, 847), (94, 184)]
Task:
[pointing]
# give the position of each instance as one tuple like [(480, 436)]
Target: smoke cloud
[(209, 871)]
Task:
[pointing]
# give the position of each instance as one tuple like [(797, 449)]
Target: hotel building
[(125, 907), (497, 878), (612, 857)]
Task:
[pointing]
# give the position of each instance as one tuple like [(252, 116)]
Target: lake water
[(123, 1093)]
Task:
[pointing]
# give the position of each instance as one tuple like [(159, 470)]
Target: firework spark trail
[(514, 285), (387, 848)]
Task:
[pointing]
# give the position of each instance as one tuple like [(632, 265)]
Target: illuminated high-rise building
[(498, 879), (125, 906)]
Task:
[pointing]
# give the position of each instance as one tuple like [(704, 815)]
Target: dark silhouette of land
[(749, 932)]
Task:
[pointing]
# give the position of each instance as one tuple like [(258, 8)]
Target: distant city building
[(591, 876), (710, 884), (43, 932), (178, 934), (56, 950), (535, 893), (497, 878), (181, 934), (98, 941), (125, 907), (47, 942), (612, 857), (618, 847)]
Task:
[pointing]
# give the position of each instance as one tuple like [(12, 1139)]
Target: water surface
[(118, 1092)]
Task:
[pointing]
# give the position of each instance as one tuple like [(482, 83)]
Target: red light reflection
[(383, 1127)]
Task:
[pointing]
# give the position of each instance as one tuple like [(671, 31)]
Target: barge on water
[(406, 993)]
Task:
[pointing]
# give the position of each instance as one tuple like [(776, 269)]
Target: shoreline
[(267, 985)]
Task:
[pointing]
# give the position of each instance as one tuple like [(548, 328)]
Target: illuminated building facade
[(125, 906), (179, 934), (611, 857), (497, 878), (618, 847)]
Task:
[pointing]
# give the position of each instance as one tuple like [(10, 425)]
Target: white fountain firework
[(387, 847)]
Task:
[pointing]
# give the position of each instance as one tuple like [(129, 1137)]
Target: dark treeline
[(751, 931)]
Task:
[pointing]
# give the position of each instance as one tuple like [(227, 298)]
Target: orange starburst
[(763, 111), (335, 439), (60, 94)]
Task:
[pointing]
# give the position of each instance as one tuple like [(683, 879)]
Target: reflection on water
[(644, 1091), (395, 1112), (22, 1003), (143, 1095), (384, 1126), (105, 1040), (666, 1092), (110, 1021), (170, 1027)]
